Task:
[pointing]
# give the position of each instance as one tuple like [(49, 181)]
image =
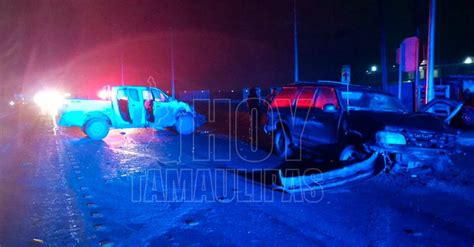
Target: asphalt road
[(155, 187)]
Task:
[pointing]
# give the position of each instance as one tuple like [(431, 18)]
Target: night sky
[(78, 45)]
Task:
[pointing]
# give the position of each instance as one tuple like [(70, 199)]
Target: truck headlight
[(390, 138)]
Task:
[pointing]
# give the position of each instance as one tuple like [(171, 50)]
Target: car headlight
[(390, 138)]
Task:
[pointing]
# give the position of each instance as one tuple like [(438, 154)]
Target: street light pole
[(431, 47), (121, 63), (172, 64), (295, 34), (383, 45)]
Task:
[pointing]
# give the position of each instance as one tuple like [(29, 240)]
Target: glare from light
[(50, 101), (67, 95), (12, 103), (468, 60), (373, 68), (104, 94)]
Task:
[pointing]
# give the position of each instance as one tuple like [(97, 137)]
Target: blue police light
[(390, 138)]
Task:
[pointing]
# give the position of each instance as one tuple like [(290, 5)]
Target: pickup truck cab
[(127, 107)]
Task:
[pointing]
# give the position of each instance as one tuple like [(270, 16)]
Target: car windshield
[(371, 101)]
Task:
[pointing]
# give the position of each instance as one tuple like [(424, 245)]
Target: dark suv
[(347, 122)]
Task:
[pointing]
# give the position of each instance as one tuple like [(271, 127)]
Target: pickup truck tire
[(96, 129), (185, 124)]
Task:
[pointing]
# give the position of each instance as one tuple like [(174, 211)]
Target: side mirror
[(329, 108)]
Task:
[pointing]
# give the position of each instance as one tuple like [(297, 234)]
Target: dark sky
[(223, 44)]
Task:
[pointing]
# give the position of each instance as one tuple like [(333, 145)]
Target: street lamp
[(468, 60), (373, 68)]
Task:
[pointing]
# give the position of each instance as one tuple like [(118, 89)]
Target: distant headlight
[(50, 101), (390, 138)]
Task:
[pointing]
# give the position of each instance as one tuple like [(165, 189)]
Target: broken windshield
[(371, 101)]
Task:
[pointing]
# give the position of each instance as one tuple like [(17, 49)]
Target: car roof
[(337, 85)]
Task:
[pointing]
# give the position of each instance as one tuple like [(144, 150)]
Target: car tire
[(352, 154), (282, 143), (185, 124), (96, 129)]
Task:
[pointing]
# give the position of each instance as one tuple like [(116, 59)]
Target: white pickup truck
[(127, 107)]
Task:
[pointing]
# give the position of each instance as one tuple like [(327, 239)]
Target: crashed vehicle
[(127, 107), (456, 113), (347, 123)]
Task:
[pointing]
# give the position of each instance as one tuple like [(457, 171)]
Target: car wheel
[(352, 154), (282, 143), (96, 129), (185, 124)]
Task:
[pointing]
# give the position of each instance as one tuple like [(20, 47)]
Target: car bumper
[(69, 119), (414, 153)]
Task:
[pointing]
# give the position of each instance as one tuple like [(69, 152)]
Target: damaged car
[(348, 122)]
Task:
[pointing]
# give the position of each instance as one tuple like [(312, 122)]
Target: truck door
[(324, 118), (122, 108), (136, 108), (303, 107), (130, 109), (162, 109)]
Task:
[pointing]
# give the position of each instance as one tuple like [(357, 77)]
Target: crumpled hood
[(395, 120)]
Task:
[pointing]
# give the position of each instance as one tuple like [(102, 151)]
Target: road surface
[(145, 187)]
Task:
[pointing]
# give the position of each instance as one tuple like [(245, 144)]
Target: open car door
[(443, 108), (129, 108)]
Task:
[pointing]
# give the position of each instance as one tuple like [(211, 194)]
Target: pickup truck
[(127, 107)]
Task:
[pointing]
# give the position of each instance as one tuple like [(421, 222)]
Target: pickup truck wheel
[(185, 124), (96, 129), (352, 154), (282, 143)]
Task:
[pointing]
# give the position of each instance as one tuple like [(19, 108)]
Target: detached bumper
[(410, 153)]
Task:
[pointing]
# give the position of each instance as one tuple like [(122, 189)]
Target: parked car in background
[(127, 107), (347, 122)]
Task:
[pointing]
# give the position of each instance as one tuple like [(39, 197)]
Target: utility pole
[(383, 45), (295, 34), (431, 48), (121, 63), (172, 63), (415, 83)]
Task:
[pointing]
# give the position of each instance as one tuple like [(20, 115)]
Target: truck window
[(285, 98), (147, 95), (159, 96), (306, 98), (326, 95)]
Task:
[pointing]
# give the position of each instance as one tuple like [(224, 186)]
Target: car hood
[(396, 120)]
